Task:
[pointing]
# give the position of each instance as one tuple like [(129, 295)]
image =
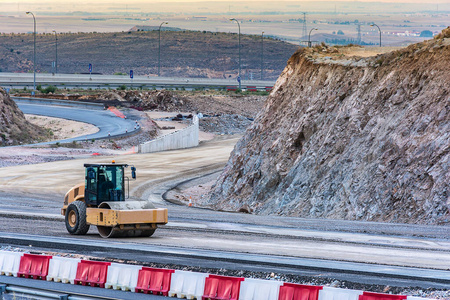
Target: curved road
[(107, 122)]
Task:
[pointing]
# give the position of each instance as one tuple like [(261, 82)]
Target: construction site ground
[(44, 174)]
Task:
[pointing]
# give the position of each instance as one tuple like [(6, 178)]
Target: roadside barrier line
[(172, 283)]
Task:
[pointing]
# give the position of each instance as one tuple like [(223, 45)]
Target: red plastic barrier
[(379, 296), (34, 266), (269, 88), (292, 291), (231, 88), (251, 88), (92, 273), (222, 287), (117, 112), (156, 281)]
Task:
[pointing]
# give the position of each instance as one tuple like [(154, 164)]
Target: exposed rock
[(14, 128), (225, 124), (358, 141)]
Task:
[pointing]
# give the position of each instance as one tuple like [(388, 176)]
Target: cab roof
[(105, 165)]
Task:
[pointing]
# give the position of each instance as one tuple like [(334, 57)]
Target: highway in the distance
[(21, 80)]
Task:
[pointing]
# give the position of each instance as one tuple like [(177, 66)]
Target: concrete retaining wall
[(183, 138)]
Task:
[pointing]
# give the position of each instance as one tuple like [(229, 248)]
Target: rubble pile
[(162, 100), (225, 124)]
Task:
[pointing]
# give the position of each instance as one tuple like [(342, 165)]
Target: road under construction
[(365, 252)]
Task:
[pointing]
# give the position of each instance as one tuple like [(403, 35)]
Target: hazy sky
[(123, 2)]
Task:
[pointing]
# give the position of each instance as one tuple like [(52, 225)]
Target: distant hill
[(183, 53)]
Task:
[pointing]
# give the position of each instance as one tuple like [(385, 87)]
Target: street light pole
[(309, 37), (262, 54), (239, 74), (373, 24), (34, 51), (56, 52), (159, 48)]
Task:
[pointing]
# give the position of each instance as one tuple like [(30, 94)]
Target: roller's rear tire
[(75, 218)]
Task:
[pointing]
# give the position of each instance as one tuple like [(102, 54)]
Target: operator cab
[(105, 182)]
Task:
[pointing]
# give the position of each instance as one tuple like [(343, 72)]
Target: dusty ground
[(61, 128)]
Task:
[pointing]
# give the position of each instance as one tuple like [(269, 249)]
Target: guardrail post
[(2, 290)]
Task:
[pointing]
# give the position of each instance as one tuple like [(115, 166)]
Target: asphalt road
[(107, 122), (20, 80)]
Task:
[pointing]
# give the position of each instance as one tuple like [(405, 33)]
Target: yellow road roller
[(102, 201)]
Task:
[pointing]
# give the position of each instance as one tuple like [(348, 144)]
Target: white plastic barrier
[(329, 293), (62, 269), (10, 263), (259, 289), (122, 277), (185, 284), (416, 298)]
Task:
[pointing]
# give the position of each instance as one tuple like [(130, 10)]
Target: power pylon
[(305, 31), (358, 28)]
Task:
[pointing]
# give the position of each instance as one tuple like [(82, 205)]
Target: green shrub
[(49, 89)]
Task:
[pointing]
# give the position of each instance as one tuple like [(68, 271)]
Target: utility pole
[(56, 52), (378, 30), (309, 37), (239, 27), (34, 52), (159, 48), (262, 54)]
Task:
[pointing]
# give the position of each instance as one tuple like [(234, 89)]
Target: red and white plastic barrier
[(259, 289), (189, 285), (122, 277), (10, 263), (222, 287), (34, 266), (172, 283), (63, 269), (155, 281), (92, 273), (329, 293)]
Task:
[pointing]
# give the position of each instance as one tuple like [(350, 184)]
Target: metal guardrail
[(23, 291), (137, 85), (70, 103)]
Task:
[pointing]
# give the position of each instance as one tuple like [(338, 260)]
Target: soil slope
[(14, 128), (349, 138)]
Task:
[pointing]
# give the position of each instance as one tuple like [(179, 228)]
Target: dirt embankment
[(357, 139), (14, 128)]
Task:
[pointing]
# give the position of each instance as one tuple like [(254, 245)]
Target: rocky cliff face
[(14, 128), (356, 139)]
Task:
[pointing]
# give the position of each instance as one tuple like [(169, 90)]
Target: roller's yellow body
[(112, 218)]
